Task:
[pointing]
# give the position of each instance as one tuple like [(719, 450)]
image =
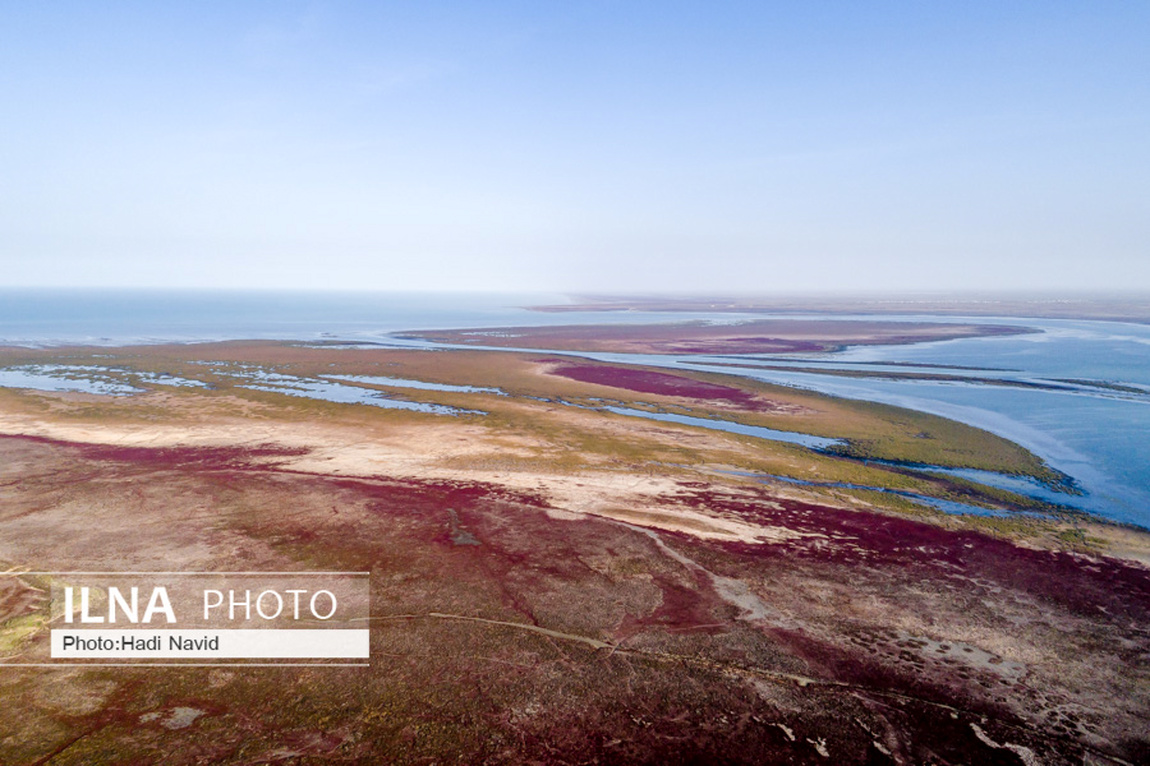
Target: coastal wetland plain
[(553, 581)]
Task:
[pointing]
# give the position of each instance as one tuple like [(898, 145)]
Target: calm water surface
[(1085, 428)]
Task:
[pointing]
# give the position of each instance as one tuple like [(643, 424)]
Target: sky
[(598, 146)]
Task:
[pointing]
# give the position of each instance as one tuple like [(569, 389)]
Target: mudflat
[(554, 582), (758, 336)]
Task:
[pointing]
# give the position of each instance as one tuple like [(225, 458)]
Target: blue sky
[(584, 146)]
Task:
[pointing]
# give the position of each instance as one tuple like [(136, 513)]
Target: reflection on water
[(1092, 422), (331, 391), (334, 392), (88, 379), (113, 381), (791, 437), (946, 506), (1082, 403), (417, 384)]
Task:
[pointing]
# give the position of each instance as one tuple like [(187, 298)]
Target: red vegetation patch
[(206, 458), (1085, 586), (602, 705), (696, 609), (660, 384)]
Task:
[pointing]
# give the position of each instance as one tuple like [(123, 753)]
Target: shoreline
[(653, 390), (761, 336), (561, 562), (1133, 306), (1054, 454)]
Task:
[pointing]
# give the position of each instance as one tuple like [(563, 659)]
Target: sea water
[(1093, 423)]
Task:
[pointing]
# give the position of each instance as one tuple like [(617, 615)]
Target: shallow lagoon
[(333, 391), (760, 432), (87, 379), (1099, 437)]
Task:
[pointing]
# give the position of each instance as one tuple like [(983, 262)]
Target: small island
[(758, 336)]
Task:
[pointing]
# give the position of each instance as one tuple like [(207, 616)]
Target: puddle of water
[(1028, 486), (791, 437), (156, 379), (946, 506), (62, 378), (88, 379), (418, 384), (334, 392), (45, 381), (328, 390), (1023, 485), (106, 381)]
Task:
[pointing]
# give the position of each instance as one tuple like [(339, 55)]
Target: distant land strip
[(760, 336), (1115, 307)]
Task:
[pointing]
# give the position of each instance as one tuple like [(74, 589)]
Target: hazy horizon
[(1134, 295), (747, 148)]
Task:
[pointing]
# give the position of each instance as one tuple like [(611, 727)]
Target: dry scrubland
[(632, 597)]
